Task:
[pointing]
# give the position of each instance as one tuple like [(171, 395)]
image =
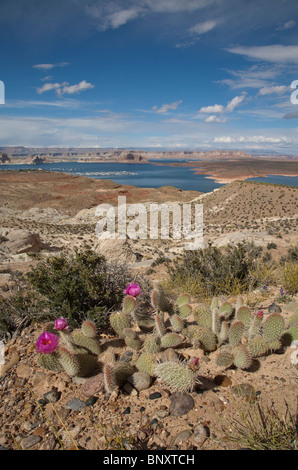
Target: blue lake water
[(145, 175)]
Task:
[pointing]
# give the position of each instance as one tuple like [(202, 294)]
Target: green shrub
[(80, 285), (217, 271)]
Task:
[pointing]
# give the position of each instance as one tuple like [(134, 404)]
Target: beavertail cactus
[(171, 340), (273, 327), (235, 333), (146, 363), (119, 321), (176, 376)]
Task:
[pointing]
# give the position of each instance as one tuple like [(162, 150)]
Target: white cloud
[(202, 28), (214, 118), (234, 103), (45, 67), (251, 139), (167, 107), (270, 90), (276, 53), (288, 25), (217, 108), (256, 76), (65, 88)]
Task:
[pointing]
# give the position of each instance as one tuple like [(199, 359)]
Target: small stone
[(182, 436), (142, 409), (154, 396), (274, 308), (53, 396), (91, 401), (169, 355), (181, 403), (49, 444), (27, 411), (75, 404), (162, 413), (29, 441), (200, 435), (93, 385), (39, 431), (127, 411), (23, 371)]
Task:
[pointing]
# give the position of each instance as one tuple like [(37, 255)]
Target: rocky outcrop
[(4, 158), (20, 241)]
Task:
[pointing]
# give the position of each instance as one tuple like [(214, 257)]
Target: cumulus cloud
[(64, 88), (217, 108), (276, 53), (167, 107), (251, 139), (271, 90), (214, 118)]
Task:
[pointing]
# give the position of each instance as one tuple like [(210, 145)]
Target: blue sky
[(201, 74)]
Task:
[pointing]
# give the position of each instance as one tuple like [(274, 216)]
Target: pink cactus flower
[(60, 324), (132, 289), (47, 343), (260, 314)]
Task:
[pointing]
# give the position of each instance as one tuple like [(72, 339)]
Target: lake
[(145, 175)]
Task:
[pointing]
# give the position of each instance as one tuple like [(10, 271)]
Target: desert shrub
[(216, 271), (289, 277), (80, 285)]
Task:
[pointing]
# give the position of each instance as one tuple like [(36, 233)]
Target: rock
[(75, 404), (91, 401), (93, 385), (140, 380), (169, 355), (29, 441), (22, 241), (53, 396), (154, 395), (181, 436), (181, 403), (244, 390), (23, 371), (274, 308), (12, 362), (49, 444), (127, 411), (200, 435), (126, 357)]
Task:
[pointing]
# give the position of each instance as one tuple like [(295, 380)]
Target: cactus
[(215, 321), (203, 316), (132, 339), (239, 303), (171, 340), (119, 321), (205, 338), (50, 362), (183, 299), (152, 344), (224, 332), (257, 346), (242, 357), (273, 327), (121, 371), (89, 329), (225, 357), (225, 310), (129, 304), (184, 310), (290, 335), (235, 333), (255, 326), (159, 301), (109, 378), (69, 362), (146, 363), (90, 343), (176, 376), (243, 314), (177, 323), (160, 328)]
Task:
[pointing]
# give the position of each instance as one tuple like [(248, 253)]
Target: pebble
[(126, 357), (154, 395), (274, 308), (91, 401), (53, 396), (127, 411), (181, 436), (200, 435), (75, 404), (181, 403), (93, 385), (29, 441)]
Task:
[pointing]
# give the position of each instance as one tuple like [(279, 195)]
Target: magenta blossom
[(60, 324), (47, 343), (132, 289), (260, 314)]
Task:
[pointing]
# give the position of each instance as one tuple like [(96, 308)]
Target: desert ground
[(45, 213)]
